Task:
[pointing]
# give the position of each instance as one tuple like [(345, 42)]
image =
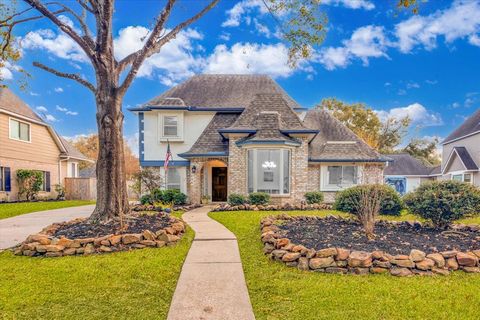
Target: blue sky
[(426, 66)]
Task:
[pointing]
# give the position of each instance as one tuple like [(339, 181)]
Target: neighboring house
[(461, 152), (242, 134), (405, 173), (27, 142)]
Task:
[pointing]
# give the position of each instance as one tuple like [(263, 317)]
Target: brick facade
[(237, 167)]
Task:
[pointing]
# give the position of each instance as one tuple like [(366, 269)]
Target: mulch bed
[(134, 224), (397, 238)]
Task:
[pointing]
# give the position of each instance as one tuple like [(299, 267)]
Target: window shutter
[(47, 181), (8, 185)]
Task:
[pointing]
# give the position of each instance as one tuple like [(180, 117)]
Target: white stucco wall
[(193, 125)]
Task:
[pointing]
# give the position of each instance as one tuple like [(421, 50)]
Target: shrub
[(146, 199), (174, 196), (444, 201), (314, 197), (29, 183), (60, 190), (259, 198), (235, 199), (348, 200)]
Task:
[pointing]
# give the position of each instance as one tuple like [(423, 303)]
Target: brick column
[(299, 172), (373, 173), (237, 168), (194, 181)]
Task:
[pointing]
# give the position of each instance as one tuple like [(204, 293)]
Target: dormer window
[(19, 130)]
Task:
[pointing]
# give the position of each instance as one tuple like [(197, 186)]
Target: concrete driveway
[(14, 230)]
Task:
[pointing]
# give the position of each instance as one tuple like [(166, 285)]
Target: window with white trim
[(269, 171), (174, 179), (339, 177), (170, 126), (2, 180), (19, 130), (462, 177)]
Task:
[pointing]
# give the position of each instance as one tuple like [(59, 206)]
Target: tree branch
[(153, 45), (83, 25), (85, 6), (87, 48), (71, 76)]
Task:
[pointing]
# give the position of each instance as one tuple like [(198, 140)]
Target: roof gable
[(12, 103), (220, 90), (335, 142), (459, 160)]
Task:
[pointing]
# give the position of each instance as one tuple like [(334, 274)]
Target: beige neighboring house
[(461, 152), (244, 133), (27, 142)]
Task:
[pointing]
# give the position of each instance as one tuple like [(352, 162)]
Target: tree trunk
[(112, 199)]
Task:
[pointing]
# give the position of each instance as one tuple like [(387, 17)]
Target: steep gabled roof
[(72, 152), (220, 90), (470, 126), (11, 103), (404, 164), (465, 158), (335, 142), (210, 141)]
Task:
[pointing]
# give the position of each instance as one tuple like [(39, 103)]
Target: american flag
[(168, 157)]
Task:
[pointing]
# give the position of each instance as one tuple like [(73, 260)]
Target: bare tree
[(368, 207)]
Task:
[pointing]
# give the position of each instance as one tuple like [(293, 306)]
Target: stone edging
[(339, 260), (46, 245), (274, 207)]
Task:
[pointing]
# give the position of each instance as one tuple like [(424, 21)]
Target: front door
[(219, 184)]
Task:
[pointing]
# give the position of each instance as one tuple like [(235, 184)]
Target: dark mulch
[(394, 239), (135, 224)]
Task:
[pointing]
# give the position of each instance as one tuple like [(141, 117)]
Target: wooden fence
[(80, 188)]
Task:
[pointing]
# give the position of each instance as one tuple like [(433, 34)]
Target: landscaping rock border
[(44, 244), (275, 207), (340, 260), (149, 207)]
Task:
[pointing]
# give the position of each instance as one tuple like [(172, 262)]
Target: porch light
[(194, 169), (269, 165)]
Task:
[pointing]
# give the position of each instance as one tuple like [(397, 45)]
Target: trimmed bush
[(169, 196), (259, 198), (348, 200), (313, 197), (29, 183), (146, 199), (444, 201), (236, 199)]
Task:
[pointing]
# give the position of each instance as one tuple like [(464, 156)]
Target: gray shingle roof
[(471, 125), (222, 90), (88, 172), (72, 151), (436, 170), (210, 141), (466, 158), (405, 165), (11, 103), (335, 141)]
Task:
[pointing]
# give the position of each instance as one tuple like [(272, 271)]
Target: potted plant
[(205, 199)]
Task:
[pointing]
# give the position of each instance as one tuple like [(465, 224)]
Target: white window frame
[(462, 174), (324, 176), (10, 119), (183, 178), (281, 172), (161, 126)]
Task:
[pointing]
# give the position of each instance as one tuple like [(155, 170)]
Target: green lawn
[(280, 292), (128, 285), (408, 216), (8, 210)]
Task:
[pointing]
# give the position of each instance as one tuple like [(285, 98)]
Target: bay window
[(269, 171)]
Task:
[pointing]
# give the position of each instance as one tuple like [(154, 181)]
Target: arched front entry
[(215, 180)]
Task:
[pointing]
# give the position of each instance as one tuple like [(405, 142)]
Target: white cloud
[(225, 36), (461, 20), (431, 82), (175, 59), (365, 43), (33, 94), (72, 113), (61, 108), (417, 113), (250, 58), (241, 10), (41, 109), (6, 71), (66, 111), (59, 45), (413, 85), (50, 118), (262, 29), (351, 4), (58, 89)]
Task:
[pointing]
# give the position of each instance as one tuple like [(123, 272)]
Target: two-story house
[(27, 142), (461, 152), (244, 133)]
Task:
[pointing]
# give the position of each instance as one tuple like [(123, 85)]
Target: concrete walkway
[(16, 229), (211, 284)]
